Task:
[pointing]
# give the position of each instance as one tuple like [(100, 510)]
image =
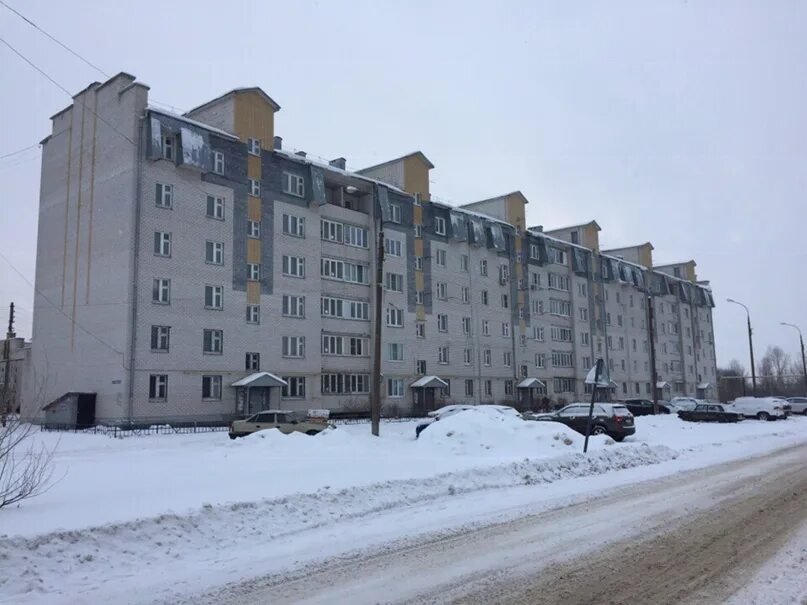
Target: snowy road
[(694, 537)]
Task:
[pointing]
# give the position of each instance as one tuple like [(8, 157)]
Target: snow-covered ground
[(124, 506)]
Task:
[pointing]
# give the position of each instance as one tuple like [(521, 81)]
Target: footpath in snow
[(149, 505)]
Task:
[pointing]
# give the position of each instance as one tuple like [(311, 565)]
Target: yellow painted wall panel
[(253, 293), (253, 251), (253, 208)]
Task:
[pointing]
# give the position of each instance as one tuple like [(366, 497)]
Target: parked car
[(798, 405), (710, 412), (644, 407), (612, 419), (286, 421), (788, 409), (450, 410), (684, 403), (761, 408)]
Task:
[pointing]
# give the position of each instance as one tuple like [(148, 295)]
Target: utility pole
[(803, 360), (7, 368), (651, 328), (594, 384), (750, 346), (375, 399)]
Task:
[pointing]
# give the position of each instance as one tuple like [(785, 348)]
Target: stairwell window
[(252, 361), (162, 243), (293, 184), (253, 314), (254, 229), (218, 163), (254, 147), (164, 197), (253, 271), (158, 387), (255, 187)]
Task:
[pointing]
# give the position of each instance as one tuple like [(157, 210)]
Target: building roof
[(429, 382), (418, 154), (629, 247), (530, 383), (260, 379), (237, 91), (191, 122), (498, 197), (554, 230), (665, 265), (705, 385), (662, 384)]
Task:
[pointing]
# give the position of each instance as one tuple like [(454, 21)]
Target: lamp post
[(801, 342), (750, 345)]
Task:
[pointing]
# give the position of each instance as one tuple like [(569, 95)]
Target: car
[(286, 421), (612, 419), (788, 409), (644, 407), (710, 412), (798, 405), (450, 410), (684, 403), (761, 408)]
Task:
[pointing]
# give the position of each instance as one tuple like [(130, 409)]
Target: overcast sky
[(679, 123)]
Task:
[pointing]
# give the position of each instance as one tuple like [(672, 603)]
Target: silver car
[(798, 405)]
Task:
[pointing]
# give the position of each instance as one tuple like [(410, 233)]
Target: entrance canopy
[(429, 382), (530, 383), (260, 379), (663, 385), (705, 385)]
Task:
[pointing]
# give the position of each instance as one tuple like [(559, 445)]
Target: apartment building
[(191, 267)]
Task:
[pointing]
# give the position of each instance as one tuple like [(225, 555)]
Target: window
[(560, 307), (395, 213), (420, 329), (467, 356), (442, 290), (558, 256), (293, 225), (393, 282), (484, 295), (332, 345), (395, 317), (218, 165), (214, 253), (329, 231), (582, 289), (254, 229), (253, 271), (344, 308), (586, 361), (215, 207), (168, 147), (395, 388), (522, 371), (442, 322), (295, 387), (293, 184), (562, 359), (563, 385), (214, 297), (162, 243), (507, 358), (540, 360), (338, 384), (392, 247), (165, 196), (439, 225), (211, 387), (161, 291), (420, 366), (485, 327), (442, 355), (440, 257), (419, 263), (538, 333), (469, 387), (253, 314), (466, 325), (575, 237), (465, 294), (534, 251), (293, 306), (508, 387), (483, 267), (252, 361), (418, 231), (504, 274), (506, 328), (535, 280), (464, 263), (419, 296), (293, 346), (584, 338), (212, 341), (505, 301), (583, 314), (294, 266), (254, 146), (395, 351), (158, 387), (160, 338), (488, 388), (560, 334), (486, 357), (355, 236), (558, 282), (255, 187)]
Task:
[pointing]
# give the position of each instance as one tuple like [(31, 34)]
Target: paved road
[(691, 538)]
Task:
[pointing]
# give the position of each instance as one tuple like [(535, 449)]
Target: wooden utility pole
[(375, 398), (6, 408), (651, 330)]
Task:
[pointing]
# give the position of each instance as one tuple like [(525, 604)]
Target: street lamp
[(750, 344), (801, 342)]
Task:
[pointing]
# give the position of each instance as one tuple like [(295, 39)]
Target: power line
[(64, 46), (8, 155)]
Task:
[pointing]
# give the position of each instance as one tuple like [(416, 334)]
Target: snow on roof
[(419, 154), (529, 383), (240, 89), (429, 381), (662, 385), (260, 379), (591, 222), (464, 210), (175, 116), (705, 385)]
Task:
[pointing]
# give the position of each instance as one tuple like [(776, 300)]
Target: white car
[(684, 404), (798, 405), (761, 408)]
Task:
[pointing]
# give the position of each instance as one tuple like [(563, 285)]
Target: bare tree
[(26, 468), (731, 382)]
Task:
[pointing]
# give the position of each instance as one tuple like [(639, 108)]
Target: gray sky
[(681, 123)]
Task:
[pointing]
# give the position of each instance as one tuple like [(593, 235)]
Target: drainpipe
[(136, 263)]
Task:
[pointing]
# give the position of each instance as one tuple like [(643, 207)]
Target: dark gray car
[(614, 420)]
